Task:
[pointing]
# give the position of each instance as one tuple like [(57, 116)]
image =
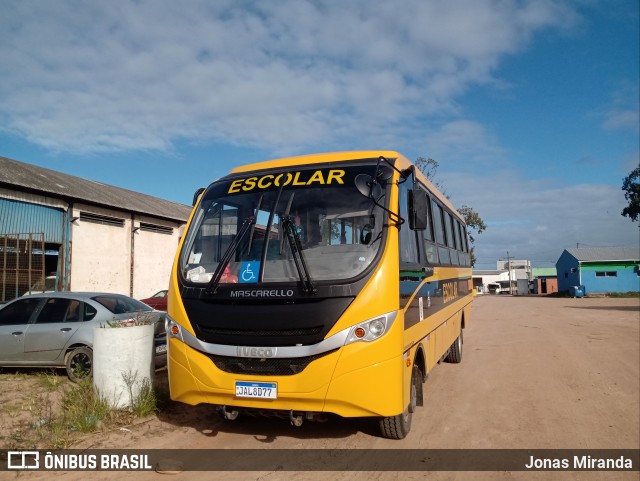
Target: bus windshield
[(306, 224)]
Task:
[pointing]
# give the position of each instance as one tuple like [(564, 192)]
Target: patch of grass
[(145, 402), (50, 380), (616, 295), (142, 398), (6, 375), (621, 295), (59, 412), (82, 408)]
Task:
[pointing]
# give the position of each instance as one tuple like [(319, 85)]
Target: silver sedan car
[(55, 329)]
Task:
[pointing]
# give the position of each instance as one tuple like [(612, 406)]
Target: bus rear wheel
[(398, 426), (455, 351)]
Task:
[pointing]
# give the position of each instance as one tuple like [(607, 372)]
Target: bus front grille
[(217, 331), (265, 367)]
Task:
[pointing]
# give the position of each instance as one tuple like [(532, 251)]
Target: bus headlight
[(370, 330)]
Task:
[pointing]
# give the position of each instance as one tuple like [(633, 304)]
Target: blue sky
[(530, 107)]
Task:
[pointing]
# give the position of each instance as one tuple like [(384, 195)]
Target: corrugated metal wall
[(20, 217), (26, 231)]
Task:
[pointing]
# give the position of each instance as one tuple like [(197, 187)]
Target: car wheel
[(397, 427), (79, 363)]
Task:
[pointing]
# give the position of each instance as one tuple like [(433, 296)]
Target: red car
[(157, 301)]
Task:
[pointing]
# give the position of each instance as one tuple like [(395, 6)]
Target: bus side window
[(451, 238), (428, 239), (464, 256), (438, 223), (465, 240)]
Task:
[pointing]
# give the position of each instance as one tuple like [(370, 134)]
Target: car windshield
[(283, 226), (121, 304)]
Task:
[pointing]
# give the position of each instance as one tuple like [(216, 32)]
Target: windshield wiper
[(217, 275), (298, 258)]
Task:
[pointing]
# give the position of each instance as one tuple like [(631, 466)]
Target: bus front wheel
[(398, 426)]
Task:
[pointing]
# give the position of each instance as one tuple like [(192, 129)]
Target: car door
[(14, 324), (55, 324)]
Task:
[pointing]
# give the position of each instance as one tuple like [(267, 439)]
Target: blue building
[(600, 269)]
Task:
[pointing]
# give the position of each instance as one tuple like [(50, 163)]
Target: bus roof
[(402, 163), (317, 159)]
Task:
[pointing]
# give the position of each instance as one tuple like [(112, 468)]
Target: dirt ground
[(537, 373)]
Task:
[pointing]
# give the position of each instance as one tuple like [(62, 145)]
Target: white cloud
[(139, 75), (537, 219), (622, 112), (465, 142), (621, 119)]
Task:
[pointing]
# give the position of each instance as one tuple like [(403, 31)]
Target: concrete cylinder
[(122, 361)]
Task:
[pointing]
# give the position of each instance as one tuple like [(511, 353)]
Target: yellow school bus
[(328, 283)]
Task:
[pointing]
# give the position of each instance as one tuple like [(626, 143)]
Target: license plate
[(259, 390), (161, 348)]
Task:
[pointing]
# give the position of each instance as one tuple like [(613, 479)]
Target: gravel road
[(537, 373)]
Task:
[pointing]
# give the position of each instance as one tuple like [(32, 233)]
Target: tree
[(474, 223), (429, 167), (631, 187)]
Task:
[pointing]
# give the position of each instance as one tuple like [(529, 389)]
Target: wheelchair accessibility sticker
[(249, 272)]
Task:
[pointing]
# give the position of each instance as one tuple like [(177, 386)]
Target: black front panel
[(285, 322)]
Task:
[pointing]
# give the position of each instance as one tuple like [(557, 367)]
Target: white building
[(87, 235), (521, 269), (483, 277), (513, 276)]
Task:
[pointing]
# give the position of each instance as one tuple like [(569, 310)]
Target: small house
[(600, 269)]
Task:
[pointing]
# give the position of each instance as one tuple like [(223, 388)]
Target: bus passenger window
[(428, 239), (428, 232), (451, 239), (438, 224), (431, 252)]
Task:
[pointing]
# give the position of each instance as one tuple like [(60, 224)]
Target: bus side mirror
[(418, 209), (384, 173), (368, 187), (197, 195)]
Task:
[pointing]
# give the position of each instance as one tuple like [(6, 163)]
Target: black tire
[(398, 426), (455, 351), (79, 363)]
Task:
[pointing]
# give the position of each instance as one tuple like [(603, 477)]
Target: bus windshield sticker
[(249, 272), (296, 179)]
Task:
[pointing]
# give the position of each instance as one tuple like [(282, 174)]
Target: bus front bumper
[(322, 387)]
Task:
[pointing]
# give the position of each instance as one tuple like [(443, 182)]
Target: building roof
[(14, 174), (488, 272), (602, 254), (544, 272)]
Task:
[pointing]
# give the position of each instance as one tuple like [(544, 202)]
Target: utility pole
[(509, 268)]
